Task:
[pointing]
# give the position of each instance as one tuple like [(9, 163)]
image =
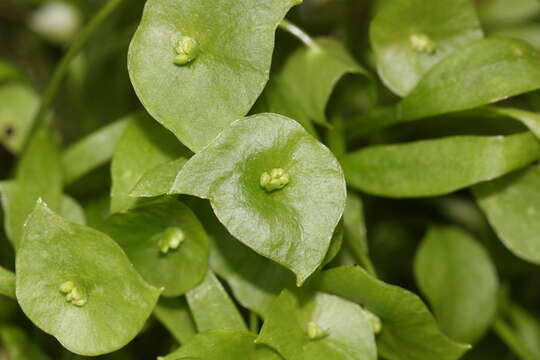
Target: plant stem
[(253, 322), (506, 334), (61, 69), (298, 33)]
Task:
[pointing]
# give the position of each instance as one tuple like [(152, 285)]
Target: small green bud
[(74, 294), (276, 179), (423, 43), (315, 332), (170, 239), (187, 49)]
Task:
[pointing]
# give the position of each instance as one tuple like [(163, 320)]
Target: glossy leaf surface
[(282, 224)]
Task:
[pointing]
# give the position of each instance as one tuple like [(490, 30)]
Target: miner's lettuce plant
[(271, 179)]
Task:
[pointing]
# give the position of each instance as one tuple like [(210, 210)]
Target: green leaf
[(38, 176), (397, 30), (212, 307), (318, 326), (147, 234), (437, 166), (409, 332), (223, 345), (355, 226), (19, 345), (526, 329), (159, 180), (233, 52), (174, 314), (144, 145), (72, 210), (485, 72), (77, 284), (9, 72), (92, 151), (292, 222), (7, 283), (311, 73), (18, 105), (512, 206), (458, 278), (529, 119)]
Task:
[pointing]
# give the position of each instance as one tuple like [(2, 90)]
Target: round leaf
[(234, 41), (139, 232), (449, 24), (290, 222), (56, 256), (460, 281)]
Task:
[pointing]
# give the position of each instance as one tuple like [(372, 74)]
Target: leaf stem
[(61, 69), (298, 33), (506, 334)]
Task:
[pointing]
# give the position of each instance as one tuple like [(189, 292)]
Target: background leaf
[(450, 24), (457, 276), (7, 283), (174, 314), (437, 166)]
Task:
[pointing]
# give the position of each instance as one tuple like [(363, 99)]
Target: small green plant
[(270, 179)]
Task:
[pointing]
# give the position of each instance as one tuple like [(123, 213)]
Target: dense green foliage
[(270, 179)]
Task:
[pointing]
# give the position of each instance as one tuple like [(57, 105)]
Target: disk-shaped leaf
[(7, 283), (512, 206), (223, 345), (92, 151), (460, 281), (143, 231), (144, 145), (18, 104), (39, 175), (318, 326), (482, 73), (292, 224), (311, 73), (212, 307), (400, 27), (438, 166), (111, 300), (234, 41), (409, 332)]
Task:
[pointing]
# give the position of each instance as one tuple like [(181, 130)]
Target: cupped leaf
[(512, 206), (18, 105), (311, 73), (460, 281), (77, 284), (437, 166), (482, 73), (317, 326), (39, 175), (165, 242), (92, 151), (273, 186), (174, 314), (408, 332), (223, 345), (19, 345), (144, 145), (7, 283), (212, 308), (159, 180), (411, 36), (227, 62)]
